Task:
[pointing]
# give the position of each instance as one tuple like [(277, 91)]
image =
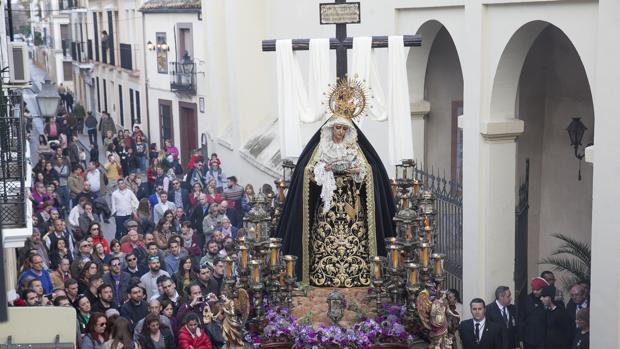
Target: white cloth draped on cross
[(297, 103)]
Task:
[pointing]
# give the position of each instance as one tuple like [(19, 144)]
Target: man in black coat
[(136, 308), (558, 328), (504, 314), (578, 301), (479, 333), (119, 280), (198, 214), (533, 317), (179, 195)]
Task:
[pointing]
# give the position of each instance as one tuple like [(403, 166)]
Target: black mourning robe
[(290, 227)]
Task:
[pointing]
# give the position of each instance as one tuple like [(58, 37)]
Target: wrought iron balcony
[(183, 77), (13, 188)]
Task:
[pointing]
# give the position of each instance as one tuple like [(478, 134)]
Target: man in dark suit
[(478, 333), (179, 195), (578, 301), (198, 214), (532, 317), (504, 314), (119, 280)]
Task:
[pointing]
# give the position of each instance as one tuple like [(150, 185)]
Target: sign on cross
[(342, 13)]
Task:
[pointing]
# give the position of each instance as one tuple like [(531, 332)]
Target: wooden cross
[(341, 42)]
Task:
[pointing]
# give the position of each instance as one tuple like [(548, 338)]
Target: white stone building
[(517, 71), (107, 49), (175, 72), (55, 54)]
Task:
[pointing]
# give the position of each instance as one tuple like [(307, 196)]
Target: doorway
[(188, 123)]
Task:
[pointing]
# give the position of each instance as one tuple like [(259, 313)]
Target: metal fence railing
[(183, 77), (449, 205), (13, 191)]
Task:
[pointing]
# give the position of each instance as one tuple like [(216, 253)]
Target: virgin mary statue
[(339, 208)]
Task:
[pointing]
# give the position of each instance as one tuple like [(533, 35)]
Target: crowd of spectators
[(168, 226), (540, 320), (172, 224)]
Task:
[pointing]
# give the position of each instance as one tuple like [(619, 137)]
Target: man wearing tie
[(477, 333), (578, 301), (504, 314)]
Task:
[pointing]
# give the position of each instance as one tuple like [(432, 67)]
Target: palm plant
[(572, 257)]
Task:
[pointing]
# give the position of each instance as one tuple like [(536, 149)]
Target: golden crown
[(348, 98)]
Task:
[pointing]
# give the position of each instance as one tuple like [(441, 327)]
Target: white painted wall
[(443, 85)]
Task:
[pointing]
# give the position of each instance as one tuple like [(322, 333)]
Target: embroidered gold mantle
[(337, 245)]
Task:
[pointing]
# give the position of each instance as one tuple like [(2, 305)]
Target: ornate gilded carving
[(339, 240)]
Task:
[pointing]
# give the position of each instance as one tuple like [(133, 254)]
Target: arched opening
[(542, 81), (436, 85)]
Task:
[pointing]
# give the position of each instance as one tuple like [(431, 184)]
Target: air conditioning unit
[(19, 67)]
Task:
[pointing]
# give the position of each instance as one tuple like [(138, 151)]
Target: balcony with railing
[(13, 163), (183, 77)]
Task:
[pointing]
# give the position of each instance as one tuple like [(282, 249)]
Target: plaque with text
[(346, 13)]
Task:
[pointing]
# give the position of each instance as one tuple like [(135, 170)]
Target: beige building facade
[(495, 83), (175, 73)]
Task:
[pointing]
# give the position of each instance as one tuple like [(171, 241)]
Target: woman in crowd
[(82, 305), (88, 219), (96, 332), (108, 140), (115, 251), (50, 175), (156, 336), (582, 337), (96, 233), (143, 214), (51, 192), (191, 336), (132, 182), (185, 275), (190, 239), (163, 232), (141, 153), (58, 251), (120, 337), (88, 270), (212, 195), (248, 196), (151, 172), (99, 254), (167, 310), (194, 196)]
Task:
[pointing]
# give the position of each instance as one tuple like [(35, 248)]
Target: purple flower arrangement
[(283, 327)]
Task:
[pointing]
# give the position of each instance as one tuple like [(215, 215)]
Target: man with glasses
[(37, 272), (154, 198), (134, 269), (124, 205), (179, 195), (85, 251), (118, 280)]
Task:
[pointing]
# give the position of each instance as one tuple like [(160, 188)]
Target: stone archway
[(541, 81), (436, 88)]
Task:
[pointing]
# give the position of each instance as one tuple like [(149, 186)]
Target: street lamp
[(576, 129), (48, 99)]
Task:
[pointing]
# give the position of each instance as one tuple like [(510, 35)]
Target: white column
[(419, 111), (10, 272), (605, 303)]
